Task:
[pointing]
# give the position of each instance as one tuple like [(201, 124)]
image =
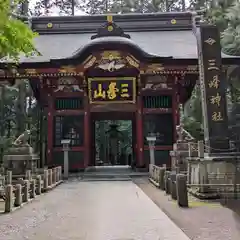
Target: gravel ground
[(202, 221), (90, 211)]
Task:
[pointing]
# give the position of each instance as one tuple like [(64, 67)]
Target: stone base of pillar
[(214, 176)]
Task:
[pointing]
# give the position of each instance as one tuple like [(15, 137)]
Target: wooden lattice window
[(157, 101), (73, 103), (69, 127)]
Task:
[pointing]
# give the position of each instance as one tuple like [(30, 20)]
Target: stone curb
[(154, 182), (32, 199), (204, 196)]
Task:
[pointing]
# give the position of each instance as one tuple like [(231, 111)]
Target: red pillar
[(175, 107), (139, 125), (50, 129), (86, 132)]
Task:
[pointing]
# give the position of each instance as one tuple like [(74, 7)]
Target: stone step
[(115, 174), (105, 179), (105, 176), (109, 169)]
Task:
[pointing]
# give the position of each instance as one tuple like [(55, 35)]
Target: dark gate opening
[(113, 141)]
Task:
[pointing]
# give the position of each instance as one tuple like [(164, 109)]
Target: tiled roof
[(155, 34), (176, 44)]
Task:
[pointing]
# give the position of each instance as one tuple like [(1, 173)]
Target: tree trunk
[(21, 109)]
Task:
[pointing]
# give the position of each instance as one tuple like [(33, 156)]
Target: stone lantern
[(65, 143), (151, 142)]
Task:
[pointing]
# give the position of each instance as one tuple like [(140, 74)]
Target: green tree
[(192, 119), (16, 37), (62, 7), (231, 35)]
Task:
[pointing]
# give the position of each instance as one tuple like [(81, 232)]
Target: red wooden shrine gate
[(110, 78), (151, 106)]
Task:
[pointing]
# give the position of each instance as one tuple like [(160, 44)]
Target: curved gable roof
[(151, 35), (165, 44)]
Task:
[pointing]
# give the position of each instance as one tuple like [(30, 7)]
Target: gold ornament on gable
[(89, 62), (111, 55), (114, 60), (133, 61), (67, 84), (30, 71), (111, 61), (67, 69)]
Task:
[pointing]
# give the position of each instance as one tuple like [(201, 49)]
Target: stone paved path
[(90, 211), (202, 221)]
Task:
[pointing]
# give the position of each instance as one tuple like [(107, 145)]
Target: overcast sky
[(55, 11)]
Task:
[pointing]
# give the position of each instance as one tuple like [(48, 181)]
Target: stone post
[(66, 165), (189, 173), (39, 185), (18, 195), (167, 185), (33, 188), (157, 174), (154, 172), (190, 149), (26, 191), (151, 142), (28, 175), (173, 186), (54, 170), (9, 198), (161, 178), (203, 177), (50, 177), (65, 144), (200, 149), (182, 192), (45, 180), (9, 177), (60, 173), (150, 170)]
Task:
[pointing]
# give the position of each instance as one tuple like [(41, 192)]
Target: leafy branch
[(15, 36)]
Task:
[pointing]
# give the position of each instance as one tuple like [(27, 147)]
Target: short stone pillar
[(150, 170), (177, 169), (18, 195), (39, 185), (28, 175), (182, 192), (65, 143), (161, 178), (45, 180), (167, 182), (60, 173), (157, 174), (151, 142), (26, 191), (8, 198), (33, 188), (54, 177), (203, 177), (49, 177), (173, 186), (200, 149), (9, 177)]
